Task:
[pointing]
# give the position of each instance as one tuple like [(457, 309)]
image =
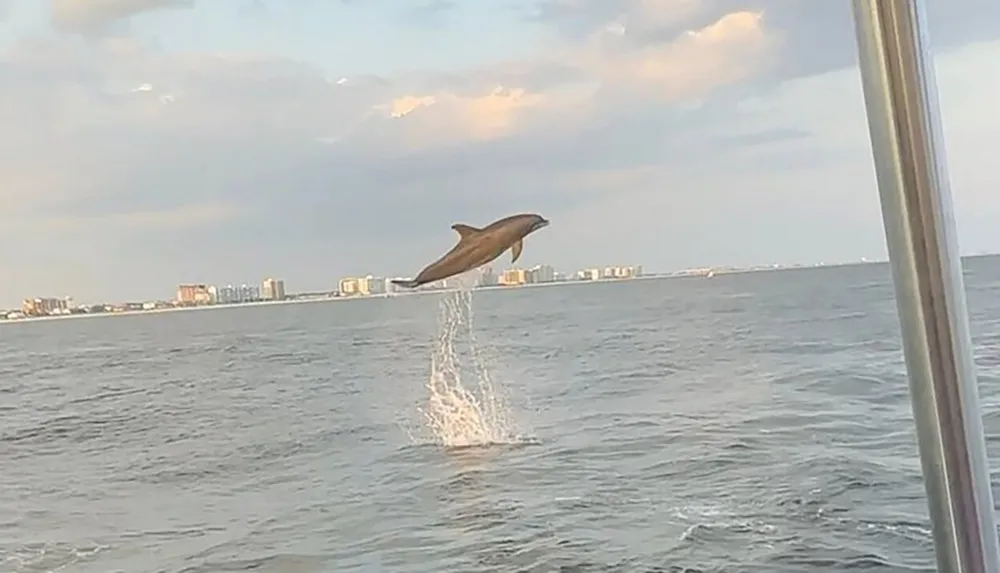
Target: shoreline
[(692, 275), (317, 300)]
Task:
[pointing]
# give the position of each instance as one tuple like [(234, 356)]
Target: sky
[(145, 143)]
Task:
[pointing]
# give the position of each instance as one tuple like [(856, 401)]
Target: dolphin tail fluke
[(405, 283)]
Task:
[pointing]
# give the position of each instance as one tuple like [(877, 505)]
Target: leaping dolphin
[(476, 247)]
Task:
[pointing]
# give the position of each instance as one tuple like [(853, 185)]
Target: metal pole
[(904, 123)]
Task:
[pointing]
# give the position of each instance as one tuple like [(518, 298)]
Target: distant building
[(540, 274), (609, 273), (233, 294), (487, 277), (193, 294), (349, 287), (363, 286), (249, 293), (511, 277), (272, 289), (45, 306), (376, 285), (625, 272)]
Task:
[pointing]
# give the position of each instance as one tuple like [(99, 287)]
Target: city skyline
[(194, 295), (165, 292), (270, 289), (333, 282), (311, 139), (259, 289)]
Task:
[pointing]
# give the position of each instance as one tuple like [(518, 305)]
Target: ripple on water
[(740, 424)]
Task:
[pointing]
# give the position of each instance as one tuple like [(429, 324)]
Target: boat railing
[(905, 128)]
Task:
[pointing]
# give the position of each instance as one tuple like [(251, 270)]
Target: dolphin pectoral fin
[(516, 250), (465, 230)]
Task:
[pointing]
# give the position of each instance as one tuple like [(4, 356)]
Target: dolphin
[(476, 247)]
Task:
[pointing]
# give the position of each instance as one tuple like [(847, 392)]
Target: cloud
[(95, 15), (610, 65), (663, 133), (822, 33), (733, 48), (479, 117), (580, 17), (446, 118)]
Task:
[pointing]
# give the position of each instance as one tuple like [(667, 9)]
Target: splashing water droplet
[(456, 415)]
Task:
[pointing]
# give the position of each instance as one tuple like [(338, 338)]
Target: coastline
[(316, 300)]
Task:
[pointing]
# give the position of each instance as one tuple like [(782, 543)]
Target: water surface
[(755, 422)]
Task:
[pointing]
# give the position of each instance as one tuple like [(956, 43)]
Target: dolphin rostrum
[(476, 247)]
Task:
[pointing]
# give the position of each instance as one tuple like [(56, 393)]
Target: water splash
[(457, 415)]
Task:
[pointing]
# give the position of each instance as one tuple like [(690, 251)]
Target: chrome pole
[(905, 128)]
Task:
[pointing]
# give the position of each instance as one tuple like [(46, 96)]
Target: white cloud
[(115, 150), (688, 66), (94, 15), (86, 100), (733, 48), (808, 193)]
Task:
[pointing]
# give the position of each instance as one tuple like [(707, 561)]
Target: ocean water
[(752, 422)]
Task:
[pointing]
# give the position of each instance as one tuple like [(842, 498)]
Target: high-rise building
[(625, 272), (249, 293), (348, 287), (487, 277), (512, 277), (44, 306), (193, 294), (232, 294), (272, 289), (376, 285), (361, 286), (224, 295), (540, 274)]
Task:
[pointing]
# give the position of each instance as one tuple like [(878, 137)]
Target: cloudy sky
[(150, 142)]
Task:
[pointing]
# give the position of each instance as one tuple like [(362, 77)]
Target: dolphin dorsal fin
[(465, 231)]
